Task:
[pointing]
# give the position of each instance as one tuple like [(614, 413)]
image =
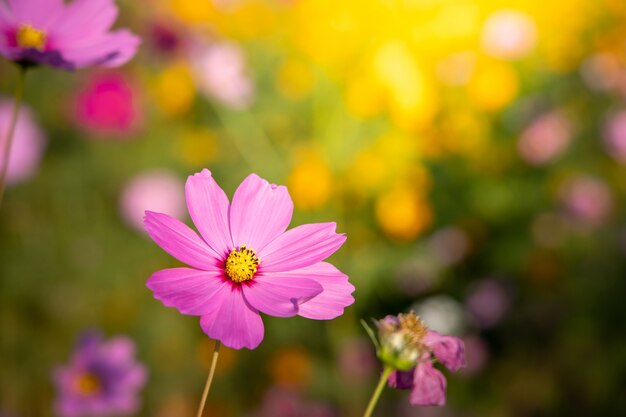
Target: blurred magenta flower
[(615, 135), (488, 301), (108, 105), (102, 378), (67, 36), (290, 403), (408, 347), (157, 190), (587, 199), (27, 146), (545, 138), (220, 73), (245, 262)]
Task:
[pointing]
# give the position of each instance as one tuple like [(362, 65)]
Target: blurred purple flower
[(108, 105), (67, 36), (356, 361), (27, 146), (545, 138), (615, 135), (220, 73), (488, 302), (102, 378), (588, 199), (157, 190), (289, 403), (449, 245), (165, 37)]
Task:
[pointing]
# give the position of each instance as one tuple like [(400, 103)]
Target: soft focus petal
[(280, 296), (300, 247), (190, 291), (109, 50), (119, 350), (448, 350), (208, 207), (83, 19), (401, 379), (336, 294), (180, 241), (36, 12), (235, 323), (429, 386), (259, 213)]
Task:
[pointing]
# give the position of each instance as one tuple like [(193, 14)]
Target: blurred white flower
[(509, 34)]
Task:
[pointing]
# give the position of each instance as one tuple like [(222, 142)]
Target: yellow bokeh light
[(174, 90), (310, 182), (402, 213)]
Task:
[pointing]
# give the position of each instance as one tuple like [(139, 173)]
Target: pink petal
[(191, 291), (336, 294), (259, 213), (300, 247), (83, 19), (36, 12), (448, 350), (280, 296), (235, 323), (401, 379), (108, 49), (208, 207), (180, 241), (429, 386)]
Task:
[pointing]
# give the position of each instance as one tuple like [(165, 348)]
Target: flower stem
[(6, 144), (379, 388), (207, 386)]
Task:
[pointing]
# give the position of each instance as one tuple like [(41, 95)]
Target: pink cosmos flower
[(67, 36), (407, 346), (101, 379), (245, 261), (108, 104)]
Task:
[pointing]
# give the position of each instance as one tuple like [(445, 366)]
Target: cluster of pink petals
[(76, 34), (291, 278), (427, 384)]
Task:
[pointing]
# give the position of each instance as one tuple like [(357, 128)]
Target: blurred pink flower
[(245, 261), (545, 138), (27, 146), (278, 402), (108, 104), (509, 34), (102, 378), (488, 301), (67, 36), (449, 245), (477, 354), (588, 199), (221, 74), (157, 190), (615, 135), (356, 360)]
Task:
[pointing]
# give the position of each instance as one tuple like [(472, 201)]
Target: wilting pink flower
[(245, 262), (108, 105), (27, 146), (221, 73), (67, 36), (102, 378), (157, 190), (545, 139), (406, 345)]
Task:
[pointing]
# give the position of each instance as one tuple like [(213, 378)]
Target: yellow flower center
[(87, 384), (241, 264), (30, 37)]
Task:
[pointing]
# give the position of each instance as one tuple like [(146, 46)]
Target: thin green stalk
[(6, 144), (379, 389), (207, 386)]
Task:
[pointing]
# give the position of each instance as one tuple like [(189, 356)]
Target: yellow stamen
[(241, 264), (30, 37), (87, 384)]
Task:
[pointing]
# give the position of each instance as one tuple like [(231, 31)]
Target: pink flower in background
[(68, 36), (108, 105), (221, 73), (245, 261), (615, 135), (290, 403), (545, 139), (488, 301), (27, 146), (102, 378), (588, 199), (406, 345), (157, 190)]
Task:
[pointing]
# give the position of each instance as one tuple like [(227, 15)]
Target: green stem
[(379, 389), (6, 144), (207, 386)]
